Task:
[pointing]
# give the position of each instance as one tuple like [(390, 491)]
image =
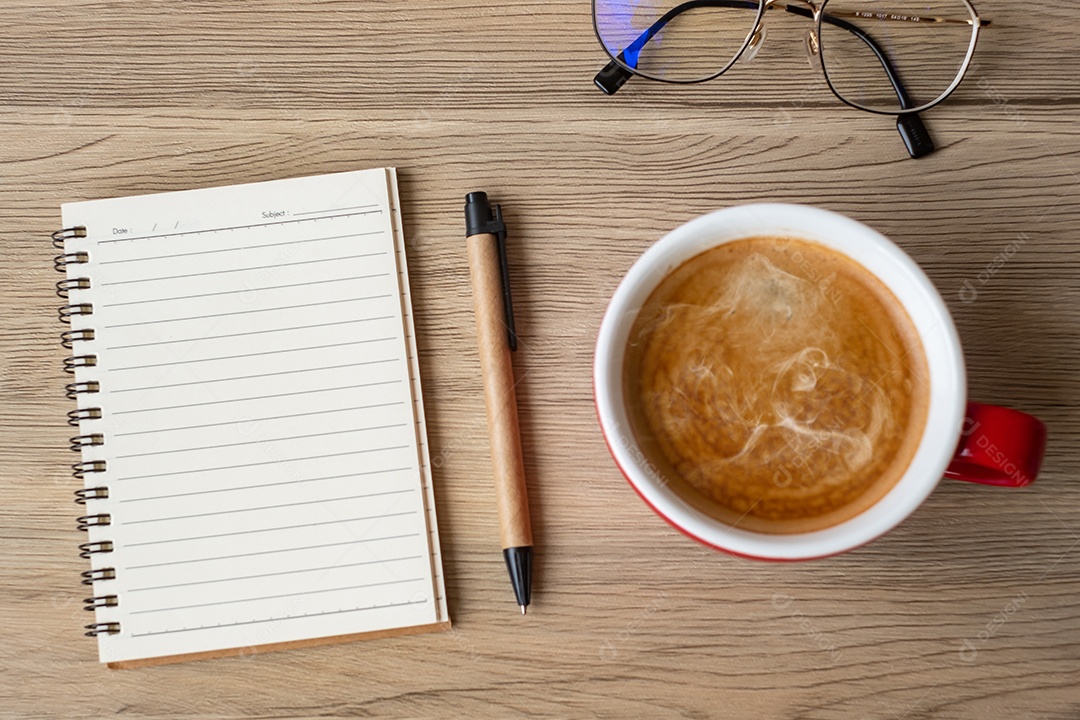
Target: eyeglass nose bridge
[(804, 8), (757, 39), (813, 50), (761, 31)]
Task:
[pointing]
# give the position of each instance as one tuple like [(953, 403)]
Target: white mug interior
[(877, 254)]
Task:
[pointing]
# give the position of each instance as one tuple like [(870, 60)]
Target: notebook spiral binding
[(78, 361), (60, 236), (60, 262), (69, 337), (109, 628), (64, 286), (80, 388), (95, 548), (81, 441), (75, 416), (92, 576), (67, 311), (80, 470), (95, 493), (88, 521), (91, 604)]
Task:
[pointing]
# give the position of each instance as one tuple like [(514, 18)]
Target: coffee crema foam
[(777, 384)]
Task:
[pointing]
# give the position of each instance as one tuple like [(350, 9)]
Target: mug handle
[(998, 446)]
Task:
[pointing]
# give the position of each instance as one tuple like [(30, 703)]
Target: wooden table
[(968, 610)]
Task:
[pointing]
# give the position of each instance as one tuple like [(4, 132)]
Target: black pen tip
[(519, 565)]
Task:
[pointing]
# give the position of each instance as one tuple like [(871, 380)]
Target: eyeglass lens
[(920, 50), (675, 41)]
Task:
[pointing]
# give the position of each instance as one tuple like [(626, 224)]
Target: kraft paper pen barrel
[(486, 244)]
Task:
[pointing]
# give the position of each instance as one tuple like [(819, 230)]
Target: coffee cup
[(960, 439)]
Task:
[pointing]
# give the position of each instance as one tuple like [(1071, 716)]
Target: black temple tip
[(916, 137), (612, 77)]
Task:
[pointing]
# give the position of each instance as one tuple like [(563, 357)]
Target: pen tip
[(522, 609)]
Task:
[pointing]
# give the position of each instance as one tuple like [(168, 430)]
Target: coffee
[(776, 384)]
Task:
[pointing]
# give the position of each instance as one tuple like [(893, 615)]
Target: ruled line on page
[(159, 321), (262, 485), (242, 247), (245, 355), (234, 227), (281, 619), (271, 529), (262, 375), (242, 290), (382, 561), (276, 597), (256, 397), (275, 266), (233, 335), (261, 441), (334, 210), (188, 561), (257, 464), (267, 507), (257, 419)]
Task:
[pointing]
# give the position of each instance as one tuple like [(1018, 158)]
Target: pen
[(485, 239)]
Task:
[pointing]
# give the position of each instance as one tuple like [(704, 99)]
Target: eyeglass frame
[(617, 72)]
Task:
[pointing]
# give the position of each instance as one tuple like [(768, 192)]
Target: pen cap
[(477, 213)]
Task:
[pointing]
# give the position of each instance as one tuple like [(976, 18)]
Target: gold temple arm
[(904, 17), (892, 16)]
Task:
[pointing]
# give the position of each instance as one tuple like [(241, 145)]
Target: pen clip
[(499, 230)]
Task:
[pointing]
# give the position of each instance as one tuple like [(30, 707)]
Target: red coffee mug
[(961, 440)]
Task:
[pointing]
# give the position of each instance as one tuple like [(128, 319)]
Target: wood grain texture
[(968, 610)]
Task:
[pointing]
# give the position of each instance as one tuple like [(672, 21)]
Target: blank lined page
[(262, 417)]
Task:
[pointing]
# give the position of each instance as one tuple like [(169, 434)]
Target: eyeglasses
[(891, 57)]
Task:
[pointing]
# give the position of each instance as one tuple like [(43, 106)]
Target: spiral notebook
[(251, 426)]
